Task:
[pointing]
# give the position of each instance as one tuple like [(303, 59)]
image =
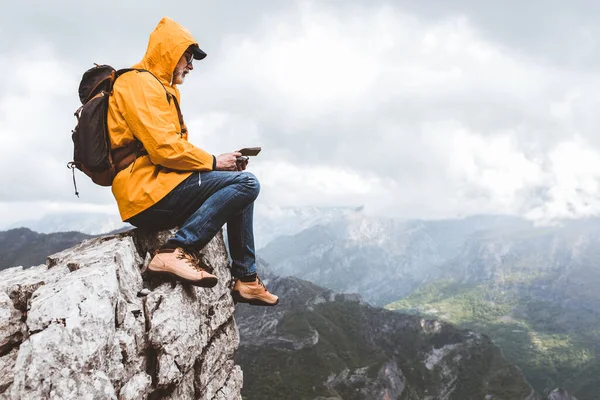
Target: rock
[(137, 387), (560, 394), (10, 324), (216, 361), (7, 362), (86, 325), (183, 391), (233, 386)]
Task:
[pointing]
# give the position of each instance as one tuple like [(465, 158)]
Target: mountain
[(383, 259), (318, 344), (271, 222), (28, 243), (532, 289), (89, 223), (535, 292), (552, 346), (23, 247)]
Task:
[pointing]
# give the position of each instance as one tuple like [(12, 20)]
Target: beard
[(179, 76)]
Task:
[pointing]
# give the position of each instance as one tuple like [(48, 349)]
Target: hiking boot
[(177, 264), (254, 293)]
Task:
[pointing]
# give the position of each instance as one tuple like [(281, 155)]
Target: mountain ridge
[(341, 347), (550, 270), (24, 247)]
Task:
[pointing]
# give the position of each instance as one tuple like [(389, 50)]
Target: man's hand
[(228, 162), (241, 165)]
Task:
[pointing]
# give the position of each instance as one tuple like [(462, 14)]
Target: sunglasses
[(189, 59)]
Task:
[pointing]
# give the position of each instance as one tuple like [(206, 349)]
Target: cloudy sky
[(428, 109)]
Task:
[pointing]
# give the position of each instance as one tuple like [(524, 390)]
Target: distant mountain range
[(499, 275), (89, 223), (269, 222), (28, 243), (23, 247), (383, 259)]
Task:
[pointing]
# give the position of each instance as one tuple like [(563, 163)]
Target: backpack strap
[(180, 116), (123, 156), (126, 155), (169, 97)]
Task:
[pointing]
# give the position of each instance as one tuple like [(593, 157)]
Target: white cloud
[(451, 122), (13, 212), (291, 185), (357, 104), (36, 119), (574, 192)]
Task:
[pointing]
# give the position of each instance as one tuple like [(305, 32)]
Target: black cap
[(198, 54)]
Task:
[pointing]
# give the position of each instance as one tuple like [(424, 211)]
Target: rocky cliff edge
[(86, 326)]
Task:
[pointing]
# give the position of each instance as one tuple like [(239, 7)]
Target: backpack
[(92, 152)]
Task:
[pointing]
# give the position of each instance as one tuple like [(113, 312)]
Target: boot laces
[(191, 259), (260, 282)]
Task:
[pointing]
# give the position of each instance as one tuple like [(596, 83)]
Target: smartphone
[(250, 151)]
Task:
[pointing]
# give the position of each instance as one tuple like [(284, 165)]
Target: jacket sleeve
[(153, 120)]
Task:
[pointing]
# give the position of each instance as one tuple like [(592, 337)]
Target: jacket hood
[(167, 43)]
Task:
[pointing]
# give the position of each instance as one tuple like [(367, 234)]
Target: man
[(174, 183)]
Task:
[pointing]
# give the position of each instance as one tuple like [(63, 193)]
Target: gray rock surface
[(560, 394), (87, 326)]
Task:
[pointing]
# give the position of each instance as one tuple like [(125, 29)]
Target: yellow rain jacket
[(139, 109)]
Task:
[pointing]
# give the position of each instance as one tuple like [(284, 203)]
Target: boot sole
[(237, 298), (169, 276)]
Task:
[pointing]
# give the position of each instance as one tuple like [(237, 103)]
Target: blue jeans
[(201, 205)]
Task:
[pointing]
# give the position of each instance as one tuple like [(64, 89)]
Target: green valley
[(555, 343)]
